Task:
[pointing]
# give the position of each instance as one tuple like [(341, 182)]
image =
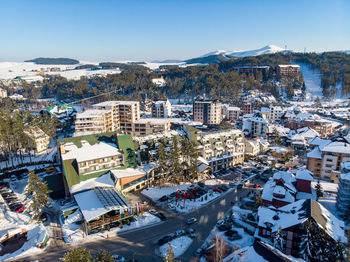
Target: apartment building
[(285, 70), (107, 116), (254, 125), (324, 127), (94, 121), (275, 113), (232, 113), (3, 93), (247, 108), (41, 141), (206, 111), (161, 109), (220, 149), (326, 159), (343, 194), (146, 126)]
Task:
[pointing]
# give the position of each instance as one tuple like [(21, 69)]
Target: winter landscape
[(124, 137)]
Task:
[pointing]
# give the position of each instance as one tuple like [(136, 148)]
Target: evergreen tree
[(77, 255), (306, 248), (276, 136), (162, 161), (259, 201), (319, 191), (103, 256), (193, 160), (176, 170), (317, 102), (39, 193), (278, 239)]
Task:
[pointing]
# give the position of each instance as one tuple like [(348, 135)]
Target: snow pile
[(157, 192), (179, 246)]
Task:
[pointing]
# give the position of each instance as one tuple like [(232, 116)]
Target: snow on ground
[(327, 186), (49, 155), (155, 193), (73, 232), (246, 254), (179, 246), (329, 202)]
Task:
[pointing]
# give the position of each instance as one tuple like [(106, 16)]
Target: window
[(329, 160)]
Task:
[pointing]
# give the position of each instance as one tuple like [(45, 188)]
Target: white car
[(118, 258)]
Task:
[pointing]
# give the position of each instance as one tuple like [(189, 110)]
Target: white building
[(275, 113), (41, 141), (232, 113), (161, 109), (254, 125)]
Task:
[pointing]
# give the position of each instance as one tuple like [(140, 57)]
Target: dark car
[(222, 227), (161, 216), (163, 198), (201, 184), (234, 237), (240, 186), (223, 188), (164, 240), (230, 232)]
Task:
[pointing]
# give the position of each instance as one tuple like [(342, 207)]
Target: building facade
[(343, 194), (41, 141), (161, 109), (206, 111), (285, 70)]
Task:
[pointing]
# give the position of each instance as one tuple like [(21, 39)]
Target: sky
[(107, 30)]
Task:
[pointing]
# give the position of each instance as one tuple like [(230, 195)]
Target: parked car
[(153, 212), (230, 232), (191, 232), (191, 220), (257, 186), (179, 232), (215, 189), (240, 186), (234, 237), (13, 178), (201, 184), (118, 258), (164, 240), (161, 216), (223, 188), (199, 251), (222, 227)]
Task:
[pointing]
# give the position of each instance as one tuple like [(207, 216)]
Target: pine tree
[(162, 161), (193, 160), (259, 201), (176, 170), (277, 138), (319, 191), (278, 239), (103, 256), (39, 193), (77, 255), (306, 248)]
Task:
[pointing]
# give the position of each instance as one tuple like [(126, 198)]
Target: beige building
[(41, 141), (3, 93), (146, 126), (219, 150), (325, 160), (232, 113), (107, 116), (94, 121), (208, 112)]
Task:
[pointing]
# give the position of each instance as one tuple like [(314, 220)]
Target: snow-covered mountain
[(269, 49)]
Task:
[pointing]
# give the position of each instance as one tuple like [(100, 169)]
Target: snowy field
[(73, 232), (179, 246)]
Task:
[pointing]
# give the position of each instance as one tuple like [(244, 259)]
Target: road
[(141, 243)]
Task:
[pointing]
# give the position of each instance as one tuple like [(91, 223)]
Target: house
[(281, 152), (292, 219), (287, 187), (161, 109), (40, 140), (255, 146)]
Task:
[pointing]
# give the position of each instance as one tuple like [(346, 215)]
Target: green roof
[(126, 145), (70, 166), (60, 106)]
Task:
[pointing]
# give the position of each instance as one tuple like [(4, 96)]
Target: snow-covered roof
[(337, 147), (316, 141), (279, 190), (304, 174), (284, 66), (89, 152), (128, 172), (298, 213), (102, 181), (345, 165), (91, 113), (154, 121), (269, 190), (315, 153)]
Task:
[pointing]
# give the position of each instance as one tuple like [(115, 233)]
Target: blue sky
[(106, 30)]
